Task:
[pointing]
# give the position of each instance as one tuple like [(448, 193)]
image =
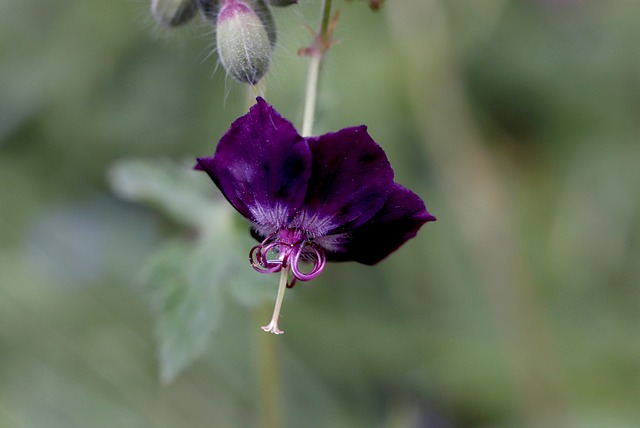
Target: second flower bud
[(243, 41)]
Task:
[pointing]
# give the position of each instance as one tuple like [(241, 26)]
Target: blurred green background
[(518, 123)]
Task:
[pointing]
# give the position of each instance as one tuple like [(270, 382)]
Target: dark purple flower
[(311, 200)]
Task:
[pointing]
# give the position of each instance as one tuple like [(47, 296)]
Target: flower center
[(289, 248)]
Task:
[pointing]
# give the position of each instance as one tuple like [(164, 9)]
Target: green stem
[(253, 91), (311, 95), (270, 388), (267, 358), (270, 399), (317, 56), (326, 16)]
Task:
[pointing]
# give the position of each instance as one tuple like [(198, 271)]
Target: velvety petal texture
[(350, 181), (398, 221), (262, 166), (330, 197)]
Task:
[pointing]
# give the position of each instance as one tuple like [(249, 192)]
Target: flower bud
[(244, 45), (172, 13), (210, 9), (264, 13)]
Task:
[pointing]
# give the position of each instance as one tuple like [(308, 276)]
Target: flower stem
[(311, 95), (324, 22), (269, 378), (317, 56), (253, 91), (272, 327)]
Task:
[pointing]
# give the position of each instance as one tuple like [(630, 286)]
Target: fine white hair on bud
[(243, 41), (209, 8), (173, 13), (264, 13)]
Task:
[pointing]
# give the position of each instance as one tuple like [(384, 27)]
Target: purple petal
[(350, 180), (398, 221), (262, 167)]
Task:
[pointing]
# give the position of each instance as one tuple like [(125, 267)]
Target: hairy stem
[(253, 91)]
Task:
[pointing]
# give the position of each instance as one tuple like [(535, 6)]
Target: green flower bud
[(264, 13), (172, 13), (210, 9), (243, 43)]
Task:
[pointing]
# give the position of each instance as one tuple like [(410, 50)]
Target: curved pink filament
[(289, 255), (317, 257), (259, 264)]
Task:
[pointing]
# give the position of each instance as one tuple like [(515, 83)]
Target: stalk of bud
[(172, 13), (282, 3), (244, 45)]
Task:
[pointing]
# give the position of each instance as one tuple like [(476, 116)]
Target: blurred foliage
[(113, 252), (183, 280)]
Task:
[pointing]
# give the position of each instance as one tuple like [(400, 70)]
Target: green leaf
[(184, 290), (184, 280), (186, 196), (174, 187)]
